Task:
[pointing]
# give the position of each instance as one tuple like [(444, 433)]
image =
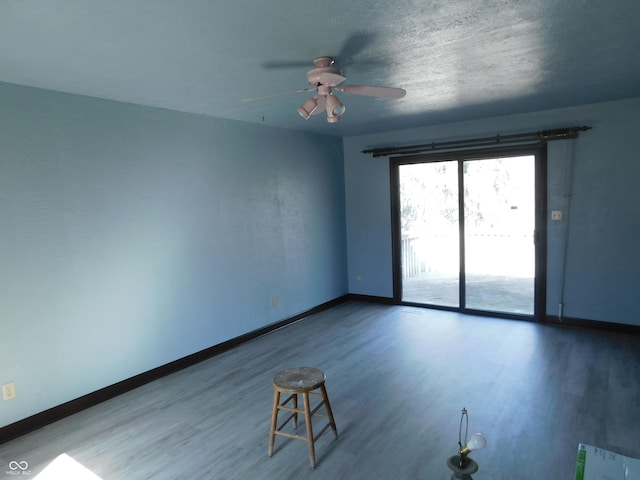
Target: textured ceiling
[(457, 59)]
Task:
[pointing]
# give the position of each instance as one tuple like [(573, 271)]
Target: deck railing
[(410, 260), (508, 253)]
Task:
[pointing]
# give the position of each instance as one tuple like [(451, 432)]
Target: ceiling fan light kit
[(308, 108), (334, 106), (324, 79)]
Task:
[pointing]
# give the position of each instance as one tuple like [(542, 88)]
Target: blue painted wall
[(602, 275), (131, 237)]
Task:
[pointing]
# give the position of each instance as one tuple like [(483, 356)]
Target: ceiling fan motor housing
[(318, 76)]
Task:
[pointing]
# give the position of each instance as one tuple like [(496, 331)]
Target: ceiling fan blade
[(272, 65), (354, 45), (383, 92), (331, 79), (300, 90)]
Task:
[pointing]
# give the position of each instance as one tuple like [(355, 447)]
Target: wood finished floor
[(397, 378)]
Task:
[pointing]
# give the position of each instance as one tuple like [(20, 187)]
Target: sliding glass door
[(499, 227), (430, 243), (465, 230)]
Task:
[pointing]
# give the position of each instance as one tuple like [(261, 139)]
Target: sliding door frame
[(539, 150)]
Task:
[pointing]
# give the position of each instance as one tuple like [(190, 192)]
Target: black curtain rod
[(540, 136)]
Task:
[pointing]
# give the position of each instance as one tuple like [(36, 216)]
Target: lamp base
[(463, 472), (460, 476)]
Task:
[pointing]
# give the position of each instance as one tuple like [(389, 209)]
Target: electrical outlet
[(556, 215), (274, 302), (9, 391)]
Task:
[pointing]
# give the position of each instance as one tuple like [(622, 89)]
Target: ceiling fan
[(324, 80)]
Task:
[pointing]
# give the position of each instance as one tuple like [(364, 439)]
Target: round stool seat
[(301, 379)]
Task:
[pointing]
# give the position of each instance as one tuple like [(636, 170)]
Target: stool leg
[(307, 421), (274, 421), (325, 397), (295, 413)]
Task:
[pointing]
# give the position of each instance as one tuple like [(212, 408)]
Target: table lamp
[(461, 465)]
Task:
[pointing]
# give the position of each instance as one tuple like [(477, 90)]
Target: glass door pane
[(499, 223), (430, 247)]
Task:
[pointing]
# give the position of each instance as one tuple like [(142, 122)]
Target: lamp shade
[(335, 108), (307, 108)]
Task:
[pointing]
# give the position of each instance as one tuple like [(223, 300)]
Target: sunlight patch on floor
[(65, 467)]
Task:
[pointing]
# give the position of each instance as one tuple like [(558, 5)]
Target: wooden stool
[(303, 381)]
